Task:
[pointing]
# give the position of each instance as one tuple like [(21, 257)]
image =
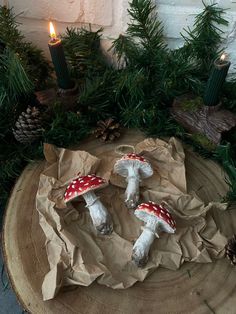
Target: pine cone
[(107, 130), (28, 126), (230, 250)]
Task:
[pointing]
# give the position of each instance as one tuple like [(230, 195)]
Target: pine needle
[(13, 77)]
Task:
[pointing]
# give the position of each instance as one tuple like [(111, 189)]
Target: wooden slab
[(195, 288)]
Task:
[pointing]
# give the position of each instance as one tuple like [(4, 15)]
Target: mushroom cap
[(145, 211), (134, 160), (82, 185)]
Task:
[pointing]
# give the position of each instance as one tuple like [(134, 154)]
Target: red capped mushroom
[(157, 218), (134, 168), (85, 186)]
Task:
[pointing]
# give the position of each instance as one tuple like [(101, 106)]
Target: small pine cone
[(230, 250), (107, 130), (28, 126)]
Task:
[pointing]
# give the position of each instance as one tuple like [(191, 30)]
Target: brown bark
[(210, 121)]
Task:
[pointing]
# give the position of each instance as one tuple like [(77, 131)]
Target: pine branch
[(178, 75), (66, 129), (97, 99), (126, 50), (35, 64), (131, 83), (9, 34), (131, 115), (145, 26), (3, 96), (31, 58), (83, 52), (204, 39), (152, 71), (13, 78)]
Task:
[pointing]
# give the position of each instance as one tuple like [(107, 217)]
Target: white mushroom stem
[(132, 190), (99, 214), (143, 243)]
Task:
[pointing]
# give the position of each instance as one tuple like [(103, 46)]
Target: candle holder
[(211, 121), (67, 97), (69, 91)]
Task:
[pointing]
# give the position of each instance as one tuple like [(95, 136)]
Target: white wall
[(112, 16)]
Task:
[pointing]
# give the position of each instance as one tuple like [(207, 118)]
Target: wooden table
[(194, 288)]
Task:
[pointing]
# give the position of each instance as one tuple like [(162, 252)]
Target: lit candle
[(59, 61), (216, 81)]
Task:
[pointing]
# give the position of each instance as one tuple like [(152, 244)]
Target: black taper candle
[(216, 81), (59, 61)]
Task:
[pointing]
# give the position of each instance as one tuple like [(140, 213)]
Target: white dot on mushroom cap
[(65, 194), (86, 184), (74, 181), (70, 193)]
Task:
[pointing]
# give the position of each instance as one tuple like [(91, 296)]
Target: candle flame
[(52, 31), (223, 56)]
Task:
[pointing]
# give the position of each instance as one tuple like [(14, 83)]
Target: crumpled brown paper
[(77, 255)]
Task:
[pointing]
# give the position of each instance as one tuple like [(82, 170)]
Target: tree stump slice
[(194, 288)]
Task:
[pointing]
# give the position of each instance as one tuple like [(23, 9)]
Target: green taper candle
[(216, 81), (59, 61)]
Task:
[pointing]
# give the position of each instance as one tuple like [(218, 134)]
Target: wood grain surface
[(194, 288)]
